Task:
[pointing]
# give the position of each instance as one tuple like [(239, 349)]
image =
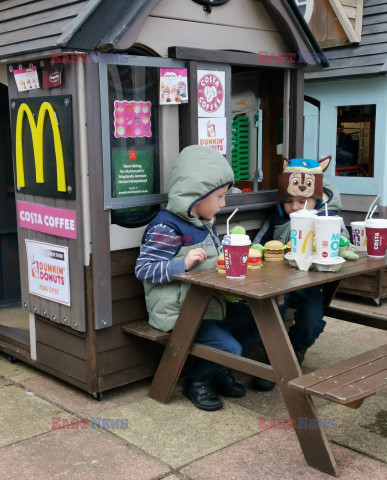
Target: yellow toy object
[(37, 130)]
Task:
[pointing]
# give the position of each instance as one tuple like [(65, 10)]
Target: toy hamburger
[(274, 251), (221, 264), (254, 262), (289, 246)]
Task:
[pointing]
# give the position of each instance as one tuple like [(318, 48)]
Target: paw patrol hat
[(302, 177)]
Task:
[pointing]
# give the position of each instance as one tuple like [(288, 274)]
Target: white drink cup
[(302, 232), (359, 238), (328, 231)]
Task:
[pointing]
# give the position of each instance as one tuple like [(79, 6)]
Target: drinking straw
[(228, 220), (372, 204), (373, 211), (326, 209), (305, 204)]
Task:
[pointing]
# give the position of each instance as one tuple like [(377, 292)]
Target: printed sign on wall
[(132, 119), (48, 271), (42, 138), (173, 86), (54, 221), (212, 133), (26, 79), (133, 172), (211, 93)]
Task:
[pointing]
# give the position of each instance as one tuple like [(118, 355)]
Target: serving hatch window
[(355, 140), (135, 172)]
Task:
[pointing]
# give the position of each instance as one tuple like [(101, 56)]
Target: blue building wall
[(332, 94)]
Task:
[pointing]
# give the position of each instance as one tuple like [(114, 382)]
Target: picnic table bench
[(347, 382)]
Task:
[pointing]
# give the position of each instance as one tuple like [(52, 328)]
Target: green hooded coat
[(196, 173)]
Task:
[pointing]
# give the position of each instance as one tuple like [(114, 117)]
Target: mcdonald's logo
[(37, 130), (42, 138), (310, 234)]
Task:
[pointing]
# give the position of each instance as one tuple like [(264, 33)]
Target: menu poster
[(173, 86), (133, 172), (26, 79), (213, 133), (211, 93), (132, 119)]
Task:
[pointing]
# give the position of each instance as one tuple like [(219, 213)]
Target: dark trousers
[(308, 317), (236, 334)]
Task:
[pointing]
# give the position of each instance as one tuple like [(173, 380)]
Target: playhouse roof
[(369, 57), (34, 28)]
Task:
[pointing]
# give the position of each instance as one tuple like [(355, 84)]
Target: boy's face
[(210, 206), (293, 204)]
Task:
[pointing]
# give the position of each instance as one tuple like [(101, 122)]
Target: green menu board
[(133, 172)]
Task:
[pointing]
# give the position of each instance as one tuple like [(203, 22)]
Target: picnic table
[(347, 382)]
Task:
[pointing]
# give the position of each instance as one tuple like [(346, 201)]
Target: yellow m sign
[(37, 131)]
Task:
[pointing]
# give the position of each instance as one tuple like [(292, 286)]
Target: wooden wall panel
[(74, 315)]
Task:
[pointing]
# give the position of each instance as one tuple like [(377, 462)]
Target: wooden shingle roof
[(369, 57), (35, 28)]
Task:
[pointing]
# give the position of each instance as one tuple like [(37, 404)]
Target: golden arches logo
[(37, 130), (311, 233)]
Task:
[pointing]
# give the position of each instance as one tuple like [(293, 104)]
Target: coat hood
[(196, 173)]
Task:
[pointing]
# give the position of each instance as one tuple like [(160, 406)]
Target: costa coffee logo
[(54, 77), (325, 254), (210, 93)]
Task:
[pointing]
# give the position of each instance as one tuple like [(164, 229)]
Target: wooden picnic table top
[(277, 278)]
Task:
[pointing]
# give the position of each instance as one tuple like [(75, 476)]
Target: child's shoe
[(202, 395), (225, 384), (300, 354)]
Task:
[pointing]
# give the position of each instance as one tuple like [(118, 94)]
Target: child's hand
[(193, 257)]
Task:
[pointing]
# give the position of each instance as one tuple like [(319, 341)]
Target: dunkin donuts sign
[(211, 93)]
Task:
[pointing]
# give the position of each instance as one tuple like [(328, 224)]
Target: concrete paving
[(51, 430)]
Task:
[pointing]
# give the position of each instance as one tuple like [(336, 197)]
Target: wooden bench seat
[(141, 328), (348, 382)]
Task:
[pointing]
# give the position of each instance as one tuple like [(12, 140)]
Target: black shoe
[(225, 384), (260, 383), (202, 395), (300, 354)]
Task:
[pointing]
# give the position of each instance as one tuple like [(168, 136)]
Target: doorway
[(13, 319)]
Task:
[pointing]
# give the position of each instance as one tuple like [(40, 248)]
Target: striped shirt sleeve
[(155, 263)]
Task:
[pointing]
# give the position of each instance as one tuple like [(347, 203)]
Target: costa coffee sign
[(211, 93)]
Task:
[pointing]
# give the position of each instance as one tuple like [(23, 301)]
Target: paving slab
[(339, 327), (373, 336), (4, 382), (23, 415), (330, 348), (266, 403), (363, 429), (81, 403), (179, 433), (77, 454), (16, 371), (276, 454)]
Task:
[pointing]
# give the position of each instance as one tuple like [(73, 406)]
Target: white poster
[(26, 79), (48, 271), (212, 133), (211, 93)]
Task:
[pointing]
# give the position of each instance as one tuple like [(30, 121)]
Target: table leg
[(313, 441), (180, 341)]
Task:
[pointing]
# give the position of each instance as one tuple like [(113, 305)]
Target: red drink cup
[(236, 252), (376, 231)]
